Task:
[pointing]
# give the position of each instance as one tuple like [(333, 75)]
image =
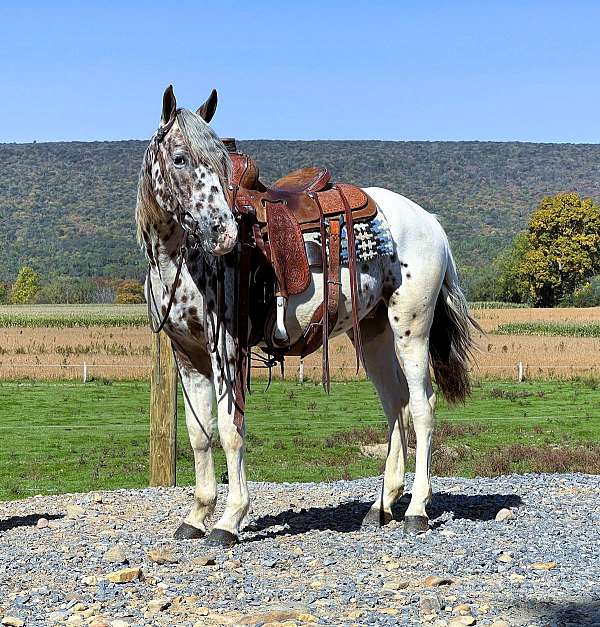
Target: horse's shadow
[(25, 521), (347, 517)]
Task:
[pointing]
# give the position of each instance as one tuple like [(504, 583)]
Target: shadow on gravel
[(25, 521), (468, 506), (347, 517), (563, 614)]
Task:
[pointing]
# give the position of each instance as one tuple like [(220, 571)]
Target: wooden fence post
[(163, 404)]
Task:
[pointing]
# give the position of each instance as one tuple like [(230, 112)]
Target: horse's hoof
[(416, 524), (221, 538), (188, 532), (376, 518)]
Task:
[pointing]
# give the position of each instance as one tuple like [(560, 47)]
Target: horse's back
[(417, 233)]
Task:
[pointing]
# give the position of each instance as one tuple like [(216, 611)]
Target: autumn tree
[(562, 249), (26, 287), (130, 292)]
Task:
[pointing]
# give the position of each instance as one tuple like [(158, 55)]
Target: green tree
[(562, 250), (130, 292), (512, 286), (25, 288), (67, 290)]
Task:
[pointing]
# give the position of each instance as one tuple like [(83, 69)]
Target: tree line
[(554, 262), (29, 288)]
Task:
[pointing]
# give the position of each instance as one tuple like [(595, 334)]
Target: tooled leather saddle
[(279, 223)]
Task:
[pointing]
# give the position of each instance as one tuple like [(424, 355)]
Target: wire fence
[(294, 370)]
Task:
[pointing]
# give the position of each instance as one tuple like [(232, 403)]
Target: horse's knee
[(205, 494), (231, 439)]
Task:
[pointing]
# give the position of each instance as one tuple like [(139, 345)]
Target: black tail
[(450, 341)]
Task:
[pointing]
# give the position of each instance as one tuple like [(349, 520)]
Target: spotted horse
[(372, 264)]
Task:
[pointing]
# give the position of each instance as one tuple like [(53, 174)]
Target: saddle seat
[(311, 179)]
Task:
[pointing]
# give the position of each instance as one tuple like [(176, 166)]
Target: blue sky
[(485, 70)]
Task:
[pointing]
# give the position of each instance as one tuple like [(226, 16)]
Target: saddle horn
[(207, 110)]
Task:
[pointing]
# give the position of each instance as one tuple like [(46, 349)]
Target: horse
[(411, 311)]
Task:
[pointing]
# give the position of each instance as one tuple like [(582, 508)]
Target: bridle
[(185, 219)]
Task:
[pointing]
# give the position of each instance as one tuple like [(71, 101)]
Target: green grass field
[(67, 437), (65, 316), (550, 329)]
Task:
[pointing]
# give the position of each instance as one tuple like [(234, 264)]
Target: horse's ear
[(169, 105), (207, 110)]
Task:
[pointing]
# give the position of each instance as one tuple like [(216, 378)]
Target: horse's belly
[(302, 307)]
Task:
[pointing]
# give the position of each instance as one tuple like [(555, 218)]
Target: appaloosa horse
[(411, 311)]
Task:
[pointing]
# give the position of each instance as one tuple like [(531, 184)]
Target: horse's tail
[(450, 341)]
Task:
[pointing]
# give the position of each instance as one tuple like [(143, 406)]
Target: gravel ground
[(305, 559)]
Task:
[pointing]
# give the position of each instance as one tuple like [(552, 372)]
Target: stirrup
[(280, 334)]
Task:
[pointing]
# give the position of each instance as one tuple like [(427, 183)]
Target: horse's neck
[(166, 242)]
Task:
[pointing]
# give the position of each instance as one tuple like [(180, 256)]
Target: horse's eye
[(179, 160)]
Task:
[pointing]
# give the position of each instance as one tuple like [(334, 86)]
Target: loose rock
[(115, 555), (203, 560), (543, 565), (162, 555), (504, 514), (395, 584), (158, 605), (433, 581), (125, 575), (75, 511)]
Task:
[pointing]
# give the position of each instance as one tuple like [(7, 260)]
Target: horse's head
[(185, 174)]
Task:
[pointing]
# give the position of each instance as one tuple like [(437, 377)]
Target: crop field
[(563, 329), (67, 436), (113, 341)]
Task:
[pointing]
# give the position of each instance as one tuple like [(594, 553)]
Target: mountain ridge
[(67, 207)]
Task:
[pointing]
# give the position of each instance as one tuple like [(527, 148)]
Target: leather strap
[(333, 293), (352, 267), (243, 313)]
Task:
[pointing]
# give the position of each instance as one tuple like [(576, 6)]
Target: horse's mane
[(202, 142)]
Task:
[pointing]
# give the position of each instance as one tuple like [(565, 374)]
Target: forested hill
[(67, 208)]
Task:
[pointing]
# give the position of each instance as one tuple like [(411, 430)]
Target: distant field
[(67, 437), (69, 316), (562, 329), (53, 342)]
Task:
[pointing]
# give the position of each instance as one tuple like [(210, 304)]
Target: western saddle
[(273, 224)]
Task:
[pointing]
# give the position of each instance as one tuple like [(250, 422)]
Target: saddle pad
[(372, 239)]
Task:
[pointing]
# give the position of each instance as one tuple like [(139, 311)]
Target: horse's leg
[(198, 416), (226, 530), (386, 375), (411, 332)]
